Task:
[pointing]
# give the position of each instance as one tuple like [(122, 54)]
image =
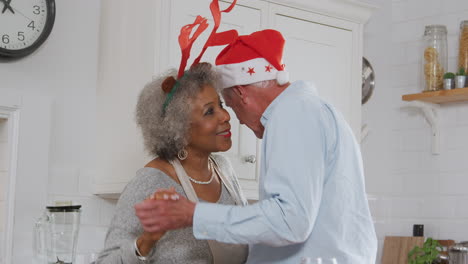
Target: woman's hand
[(146, 242), (148, 239)]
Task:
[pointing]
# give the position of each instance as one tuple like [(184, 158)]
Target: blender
[(56, 235)]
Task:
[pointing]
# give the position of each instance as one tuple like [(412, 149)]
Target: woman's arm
[(125, 226)]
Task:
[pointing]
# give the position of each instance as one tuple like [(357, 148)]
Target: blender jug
[(56, 233)]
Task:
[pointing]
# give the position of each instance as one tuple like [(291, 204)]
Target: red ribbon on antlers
[(218, 39), (215, 39), (185, 42)]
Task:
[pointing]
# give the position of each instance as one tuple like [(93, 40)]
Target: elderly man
[(312, 195)]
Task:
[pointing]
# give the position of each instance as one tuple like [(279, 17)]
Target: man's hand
[(172, 212)]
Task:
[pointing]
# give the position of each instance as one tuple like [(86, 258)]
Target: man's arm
[(294, 165)]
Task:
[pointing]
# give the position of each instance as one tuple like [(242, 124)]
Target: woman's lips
[(226, 134)]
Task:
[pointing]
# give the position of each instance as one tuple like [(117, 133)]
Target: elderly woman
[(183, 122)]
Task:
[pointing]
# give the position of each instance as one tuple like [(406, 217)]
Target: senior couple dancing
[(186, 205)]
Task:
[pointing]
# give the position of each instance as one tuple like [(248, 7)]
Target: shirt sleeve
[(291, 186)]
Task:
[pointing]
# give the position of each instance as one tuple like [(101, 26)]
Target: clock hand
[(7, 6), (19, 12)]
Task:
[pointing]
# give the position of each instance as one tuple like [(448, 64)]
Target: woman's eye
[(209, 111)]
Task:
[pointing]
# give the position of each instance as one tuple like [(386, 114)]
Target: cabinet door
[(320, 49), (125, 64), (245, 19)]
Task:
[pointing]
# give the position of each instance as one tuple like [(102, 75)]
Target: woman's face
[(210, 130)]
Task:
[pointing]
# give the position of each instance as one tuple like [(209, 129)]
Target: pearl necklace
[(204, 182)]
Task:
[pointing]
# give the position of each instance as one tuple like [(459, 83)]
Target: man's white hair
[(265, 84)]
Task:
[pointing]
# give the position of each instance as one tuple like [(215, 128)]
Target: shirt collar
[(289, 90)]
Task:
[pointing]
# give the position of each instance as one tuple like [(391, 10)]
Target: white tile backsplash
[(454, 229), (63, 181), (85, 182), (415, 9), (462, 114), (407, 31), (415, 140), (457, 137), (419, 183), (461, 207), (454, 7), (107, 209), (453, 183), (91, 239), (413, 53), (379, 207), (406, 207), (439, 207)]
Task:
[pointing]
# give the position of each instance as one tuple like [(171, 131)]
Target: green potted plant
[(460, 79), (428, 254), (449, 80)]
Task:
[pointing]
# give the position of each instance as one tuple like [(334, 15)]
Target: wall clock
[(368, 80), (24, 26)]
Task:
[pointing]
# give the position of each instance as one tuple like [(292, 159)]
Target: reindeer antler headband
[(170, 84)]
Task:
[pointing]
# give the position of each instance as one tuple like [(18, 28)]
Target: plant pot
[(460, 81), (449, 84)]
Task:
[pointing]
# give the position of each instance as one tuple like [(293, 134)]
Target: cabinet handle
[(250, 159)]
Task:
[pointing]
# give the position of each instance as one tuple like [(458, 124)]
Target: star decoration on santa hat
[(251, 71), (268, 68)]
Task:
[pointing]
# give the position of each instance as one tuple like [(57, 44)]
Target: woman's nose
[(226, 116)]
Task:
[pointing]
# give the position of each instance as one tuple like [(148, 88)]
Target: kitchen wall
[(57, 84), (407, 184)]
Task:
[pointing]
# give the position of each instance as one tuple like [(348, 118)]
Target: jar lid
[(68, 208), (463, 24), (435, 29)]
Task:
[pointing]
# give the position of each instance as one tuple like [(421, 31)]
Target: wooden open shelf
[(439, 97)]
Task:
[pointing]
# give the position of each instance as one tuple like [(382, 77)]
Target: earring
[(182, 154)]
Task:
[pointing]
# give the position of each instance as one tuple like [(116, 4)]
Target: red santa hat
[(253, 58)]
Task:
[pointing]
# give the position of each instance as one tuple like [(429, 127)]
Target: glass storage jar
[(463, 48), (434, 61)]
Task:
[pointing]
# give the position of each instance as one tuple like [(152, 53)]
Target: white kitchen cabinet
[(322, 50), (323, 45)]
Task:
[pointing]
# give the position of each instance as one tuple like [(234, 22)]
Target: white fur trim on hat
[(282, 77), (248, 72)]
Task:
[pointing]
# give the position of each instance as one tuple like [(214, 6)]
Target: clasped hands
[(164, 210)]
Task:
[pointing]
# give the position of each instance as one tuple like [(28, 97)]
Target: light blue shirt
[(312, 195)]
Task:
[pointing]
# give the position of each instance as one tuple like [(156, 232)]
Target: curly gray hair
[(165, 133)]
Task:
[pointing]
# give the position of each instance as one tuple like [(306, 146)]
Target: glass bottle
[(463, 47), (434, 61)]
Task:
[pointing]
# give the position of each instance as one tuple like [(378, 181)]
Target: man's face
[(245, 111)]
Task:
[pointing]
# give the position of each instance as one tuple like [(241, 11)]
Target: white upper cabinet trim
[(352, 10)]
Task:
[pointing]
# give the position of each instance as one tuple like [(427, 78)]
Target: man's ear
[(241, 91)]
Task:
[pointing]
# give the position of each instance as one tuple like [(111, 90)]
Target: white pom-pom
[(282, 77)]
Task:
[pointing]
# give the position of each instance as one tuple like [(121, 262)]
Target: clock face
[(25, 25)]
